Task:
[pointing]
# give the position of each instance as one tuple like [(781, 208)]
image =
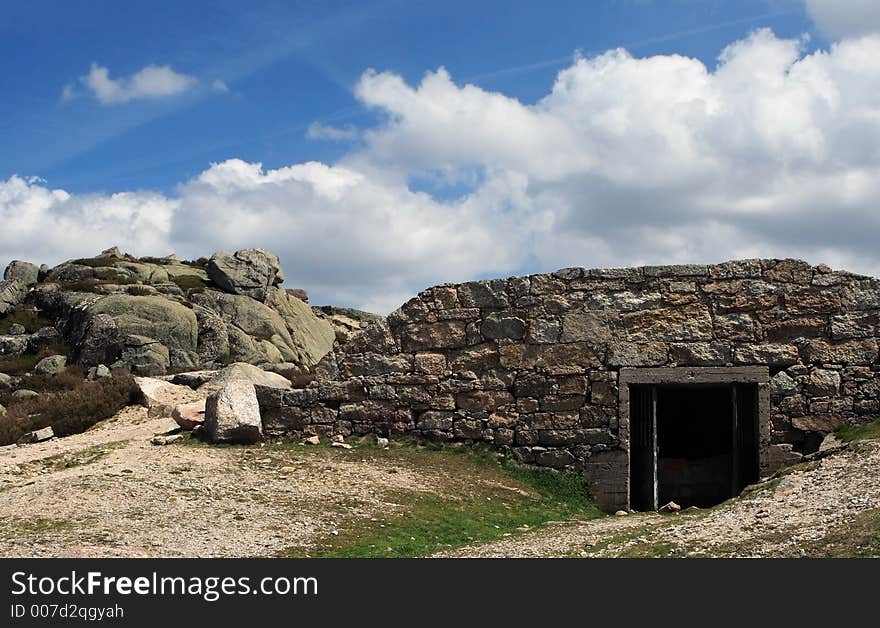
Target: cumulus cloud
[(152, 81), (626, 160), (845, 18)]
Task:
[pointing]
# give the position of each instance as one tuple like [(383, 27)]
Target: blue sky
[(381, 147), (289, 64)]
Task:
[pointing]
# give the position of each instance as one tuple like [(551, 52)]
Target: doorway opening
[(694, 444)]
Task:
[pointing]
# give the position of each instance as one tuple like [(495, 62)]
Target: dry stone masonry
[(534, 363)]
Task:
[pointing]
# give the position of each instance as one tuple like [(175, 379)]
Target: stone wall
[(533, 363)]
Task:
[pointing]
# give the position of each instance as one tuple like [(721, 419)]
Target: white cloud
[(219, 87), (152, 81), (625, 161), (318, 131), (845, 18)]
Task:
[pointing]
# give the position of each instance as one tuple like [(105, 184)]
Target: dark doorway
[(693, 444)]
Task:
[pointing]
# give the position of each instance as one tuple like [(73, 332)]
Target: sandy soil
[(109, 492)]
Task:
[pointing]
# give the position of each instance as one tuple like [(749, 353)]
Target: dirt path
[(778, 518), (109, 492)]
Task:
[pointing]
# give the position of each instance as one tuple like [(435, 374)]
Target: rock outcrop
[(250, 272), (25, 272), (153, 315)]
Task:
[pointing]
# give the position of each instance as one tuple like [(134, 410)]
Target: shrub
[(202, 262), (91, 285), (27, 317), (69, 411), (159, 261), (96, 262), (21, 364), (190, 283)]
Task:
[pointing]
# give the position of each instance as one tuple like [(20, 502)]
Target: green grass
[(493, 496), (69, 460), (38, 526), (850, 433)]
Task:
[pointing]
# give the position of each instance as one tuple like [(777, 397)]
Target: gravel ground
[(776, 519), (109, 492)]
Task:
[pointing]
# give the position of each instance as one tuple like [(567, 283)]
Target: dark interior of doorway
[(694, 444)]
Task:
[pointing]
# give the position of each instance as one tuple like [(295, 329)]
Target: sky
[(381, 147)]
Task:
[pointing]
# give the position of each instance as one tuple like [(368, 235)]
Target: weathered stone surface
[(37, 436), (782, 385), (24, 393), (232, 414), (109, 320), (862, 295), (144, 356), (689, 323), (483, 400), (700, 353), (790, 271), (817, 423), (13, 345), (12, 292), (430, 363), (480, 358), (189, 415), (793, 329), (483, 294), (496, 326), (51, 365), (444, 335), (243, 372), (846, 352), (770, 354), (852, 325), (156, 393), (586, 326), (637, 354), (823, 383), (249, 272), (556, 358), (735, 326), (25, 272)]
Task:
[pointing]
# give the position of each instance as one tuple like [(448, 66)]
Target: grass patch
[(70, 460), (496, 496), (37, 526), (850, 433)]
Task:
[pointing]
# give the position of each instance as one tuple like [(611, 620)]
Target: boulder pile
[(150, 316)]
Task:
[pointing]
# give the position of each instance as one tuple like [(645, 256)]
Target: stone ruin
[(667, 382)]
